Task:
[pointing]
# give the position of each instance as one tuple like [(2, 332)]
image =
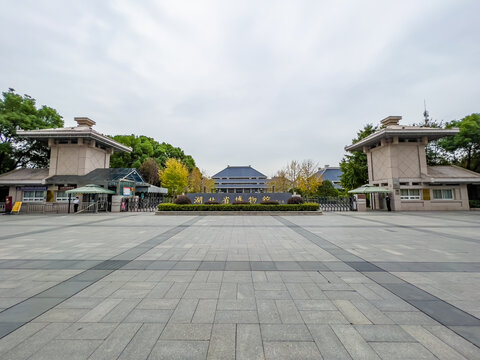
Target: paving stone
[(435, 345), (249, 342), (157, 304), (297, 291), (315, 305), (280, 332), (240, 304), (268, 312), (143, 342), (402, 351), (410, 318), (323, 317), (462, 346), (121, 311), (236, 317), (288, 312), (187, 332), (446, 313), (66, 349), (113, 346), (99, 311), (13, 339), (61, 315), (179, 350), (87, 331), (228, 291), (328, 343), (291, 350), (272, 294), (205, 312), (354, 343), (383, 333), (222, 342), (28, 310), (148, 316), (351, 313), (184, 311)]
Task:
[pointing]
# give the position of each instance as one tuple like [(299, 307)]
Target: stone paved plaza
[(337, 286)]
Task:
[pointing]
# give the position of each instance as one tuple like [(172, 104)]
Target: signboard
[(33, 188), (127, 191), (229, 198), (65, 188), (16, 207)]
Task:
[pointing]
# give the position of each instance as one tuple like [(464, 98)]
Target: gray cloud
[(257, 83)]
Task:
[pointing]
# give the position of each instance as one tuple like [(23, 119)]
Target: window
[(410, 194), (443, 194), (62, 196), (33, 196)]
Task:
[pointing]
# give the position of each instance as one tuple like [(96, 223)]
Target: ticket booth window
[(33, 196)]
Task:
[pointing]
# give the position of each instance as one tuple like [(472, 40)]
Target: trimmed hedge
[(474, 204), (249, 207)]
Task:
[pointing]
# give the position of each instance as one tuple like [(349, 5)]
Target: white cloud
[(232, 82)]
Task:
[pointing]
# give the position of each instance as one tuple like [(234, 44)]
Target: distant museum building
[(240, 179), (397, 160)]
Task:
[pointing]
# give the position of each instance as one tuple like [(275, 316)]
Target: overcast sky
[(244, 82)]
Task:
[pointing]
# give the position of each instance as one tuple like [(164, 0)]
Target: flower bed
[(249, 207)]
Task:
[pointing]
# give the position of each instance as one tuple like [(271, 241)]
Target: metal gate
[(137, 204), (335, 203)]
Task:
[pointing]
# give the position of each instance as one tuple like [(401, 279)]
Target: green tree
[(144, 147), (174, 177), (308, 180), (21, 112), (464, 148), (149, 170), (327, 189), (354, 166)]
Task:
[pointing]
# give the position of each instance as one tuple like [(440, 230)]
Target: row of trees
[(462, 149), (148, 155), (301, 177), (177, 179), (21, 112)]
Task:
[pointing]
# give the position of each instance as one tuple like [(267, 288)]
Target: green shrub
[(295, 200), (475, 204), (247, 207), (182, 200), (211, 203), (269, 202), (240, 203)]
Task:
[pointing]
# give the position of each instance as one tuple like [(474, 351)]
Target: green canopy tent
[(90, 189), (369, 189)]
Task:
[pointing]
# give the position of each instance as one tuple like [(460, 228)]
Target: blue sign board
[(229, 198)]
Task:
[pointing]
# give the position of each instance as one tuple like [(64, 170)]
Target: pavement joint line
[(418, 298), (389, 266), (40, 303), (419, 229), (13, 236)]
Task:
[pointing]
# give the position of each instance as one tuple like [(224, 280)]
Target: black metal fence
[(335, 203), (138, 204)]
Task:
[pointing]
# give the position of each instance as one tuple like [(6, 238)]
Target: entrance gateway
[(397, 161)]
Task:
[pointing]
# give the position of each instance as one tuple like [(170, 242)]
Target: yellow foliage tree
[(308, 181), (174, 177), (280, 182)]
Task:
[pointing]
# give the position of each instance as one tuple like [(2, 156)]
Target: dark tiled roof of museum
[(239, 172)]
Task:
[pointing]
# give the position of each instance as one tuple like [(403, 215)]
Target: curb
[(245, 213)]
